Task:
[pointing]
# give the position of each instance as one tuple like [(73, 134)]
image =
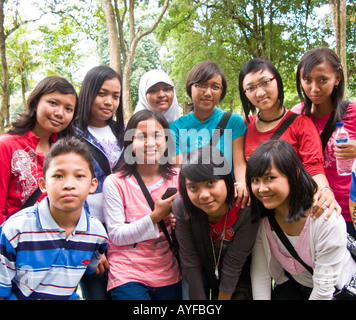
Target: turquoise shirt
[(189, 133)]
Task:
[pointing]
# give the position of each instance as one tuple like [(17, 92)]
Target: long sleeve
[(191, 263), (120, 232)]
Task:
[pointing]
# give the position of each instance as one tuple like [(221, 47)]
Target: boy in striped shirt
[(46, 249)]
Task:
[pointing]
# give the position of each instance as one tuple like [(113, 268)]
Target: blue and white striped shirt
[(37, 261)]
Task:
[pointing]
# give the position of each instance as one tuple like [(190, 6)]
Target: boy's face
[(68, 182)]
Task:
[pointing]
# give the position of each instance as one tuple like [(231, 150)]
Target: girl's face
[(209, 196), (265, 96), (272, 189), (105, 103), (149, 142), (54, 112), (160, 96), (320, 82), (206, 95)]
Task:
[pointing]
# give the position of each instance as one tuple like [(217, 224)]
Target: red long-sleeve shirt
[(20, 169)]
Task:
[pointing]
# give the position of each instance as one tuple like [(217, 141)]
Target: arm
[(7, 264), (329, 240), (260, 276), (120, 232), (323, 196), (192, 269), (239, 161), (238, 251)]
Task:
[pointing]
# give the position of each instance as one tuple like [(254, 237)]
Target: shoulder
[(182, 122), (97, 228), (22, 221), (297, 108), (334, 227)]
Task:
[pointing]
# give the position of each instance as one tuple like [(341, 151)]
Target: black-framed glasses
[(202, 87), (262, 84)]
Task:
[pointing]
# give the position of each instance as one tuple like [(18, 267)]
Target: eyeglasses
[(202, 87), (156, 90), (262, 84)]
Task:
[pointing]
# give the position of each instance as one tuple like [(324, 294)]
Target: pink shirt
[(339, 184), (138, 250), (302, 247)]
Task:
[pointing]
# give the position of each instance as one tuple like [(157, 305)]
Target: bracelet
[(328, 188), (236, 184)]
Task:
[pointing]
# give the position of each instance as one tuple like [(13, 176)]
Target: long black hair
[(205, 164), (282, 155), (27, 120), (92, 83), (311, 59), (253, 66)]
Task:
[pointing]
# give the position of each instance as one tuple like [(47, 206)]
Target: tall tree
[(126, 50), (338, 14)]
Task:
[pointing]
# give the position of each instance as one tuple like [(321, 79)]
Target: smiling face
[(320, 83), (105, 103), (54, 112), (264, 97), (160, 96), (272, 189), (205, 99), (149, 141), (209, 196), (68, 181)]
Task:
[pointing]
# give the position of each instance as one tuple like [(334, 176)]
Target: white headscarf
[(148, 80)]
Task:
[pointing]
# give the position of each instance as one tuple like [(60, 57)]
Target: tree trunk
[(338, 14), (114, 45), (4, 83)]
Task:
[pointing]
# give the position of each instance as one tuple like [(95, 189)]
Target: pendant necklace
[(216, 262)]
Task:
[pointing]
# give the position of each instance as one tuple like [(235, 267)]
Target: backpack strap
[(32, 199), (330, 125), (284, 126), (219, 130)]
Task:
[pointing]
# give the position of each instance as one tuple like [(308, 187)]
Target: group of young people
[(84, 194)]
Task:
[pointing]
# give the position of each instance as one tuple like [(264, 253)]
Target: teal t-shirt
[(190, 133)]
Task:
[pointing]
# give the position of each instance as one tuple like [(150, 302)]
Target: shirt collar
[(46, 222)]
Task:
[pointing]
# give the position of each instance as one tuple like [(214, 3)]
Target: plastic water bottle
[(344, 167)]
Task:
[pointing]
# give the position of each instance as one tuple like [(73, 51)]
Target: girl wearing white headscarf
[(156, 92)]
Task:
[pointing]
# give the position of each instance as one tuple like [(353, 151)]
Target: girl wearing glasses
[(261, 88), (156, 92), (206, 86)]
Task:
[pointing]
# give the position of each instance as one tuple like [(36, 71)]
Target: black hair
[(27, 120), (204, 71), (253, 66), (126, 167), (204, 164), (311, 59), (92, 83), (282, 155), (69, 145)]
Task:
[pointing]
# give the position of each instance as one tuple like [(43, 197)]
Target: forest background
[(68, 37)]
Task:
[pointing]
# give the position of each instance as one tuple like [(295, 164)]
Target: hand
[(241, 194), (103, 265), (173, 220), (162, 208), (345, 150), (325, 199)]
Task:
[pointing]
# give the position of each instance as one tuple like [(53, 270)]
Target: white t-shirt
[(108, 142)]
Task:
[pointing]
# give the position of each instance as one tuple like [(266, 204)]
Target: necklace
[(216, 262), (267, 121)]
